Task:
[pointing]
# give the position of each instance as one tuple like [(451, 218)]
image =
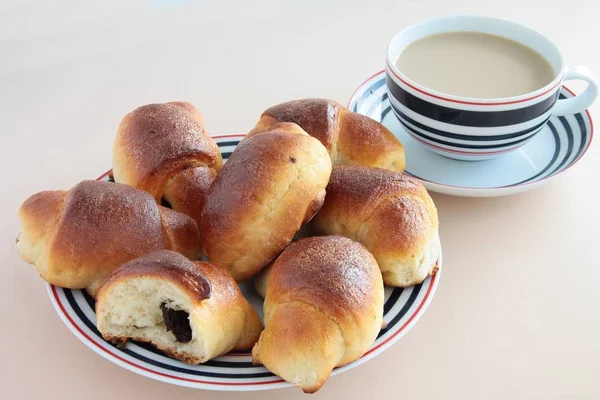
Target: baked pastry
[(76, 238), (270, 186), (323, 309), (164, 150), (391, 214), (192, 311), (350, 138)]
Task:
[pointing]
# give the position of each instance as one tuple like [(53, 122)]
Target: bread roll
[(164, 150), (388, 212), (323, 309), (350, 138), (76, 238), (192, 311), (271, 185)]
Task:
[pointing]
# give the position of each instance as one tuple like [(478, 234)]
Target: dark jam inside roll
[(165, 203), (178, 323)]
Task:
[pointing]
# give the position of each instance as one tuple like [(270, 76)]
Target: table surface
[(516, 313)]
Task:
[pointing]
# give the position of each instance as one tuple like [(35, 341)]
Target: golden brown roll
[(350, 138), (323, 309), (192, 311), (391, 214), (271, 185), (164, 150), (76, 238)]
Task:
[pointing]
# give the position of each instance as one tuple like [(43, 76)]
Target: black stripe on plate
[(570, 139), (403, 311), (89, 300), (552, 160), (229, 143), (582, 129), (226, 155), (469, 137), (467, 117), (584, 136), (374, 86), (392, 300), (81, 315), (387, 109), (372, 89), (465, 146), (556, 149)]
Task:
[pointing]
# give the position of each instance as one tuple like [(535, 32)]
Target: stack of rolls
[(308, 165)]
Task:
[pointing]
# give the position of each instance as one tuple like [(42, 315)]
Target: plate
[(555, 149), (233, 371)]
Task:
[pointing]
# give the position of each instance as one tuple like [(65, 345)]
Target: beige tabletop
[(517, 312)]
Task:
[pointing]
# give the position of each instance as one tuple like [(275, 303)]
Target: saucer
[(556, 148)]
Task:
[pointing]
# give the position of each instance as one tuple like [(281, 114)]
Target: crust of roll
[(164, 150), (350, 138), (270, 185), (76, 238), (323, 308), (391, 214)]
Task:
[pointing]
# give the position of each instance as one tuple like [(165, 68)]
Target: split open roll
[(192, 311)]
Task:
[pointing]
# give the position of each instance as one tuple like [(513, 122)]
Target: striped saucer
[(557, 147), (233, 371)]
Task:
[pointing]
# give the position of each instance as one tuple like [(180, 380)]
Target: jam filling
[(178, 323)]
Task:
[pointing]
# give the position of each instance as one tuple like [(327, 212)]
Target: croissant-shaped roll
[(164, 150), (350, 138), (192, 311), (271, 185), (388, 212), (323, 309), (76, 238)]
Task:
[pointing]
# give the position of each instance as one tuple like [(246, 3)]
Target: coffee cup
[(472, 127)]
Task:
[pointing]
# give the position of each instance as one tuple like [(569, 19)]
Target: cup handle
[(580, 102)]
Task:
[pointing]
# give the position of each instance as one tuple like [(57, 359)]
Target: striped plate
[(234, 371), (557, 147)]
